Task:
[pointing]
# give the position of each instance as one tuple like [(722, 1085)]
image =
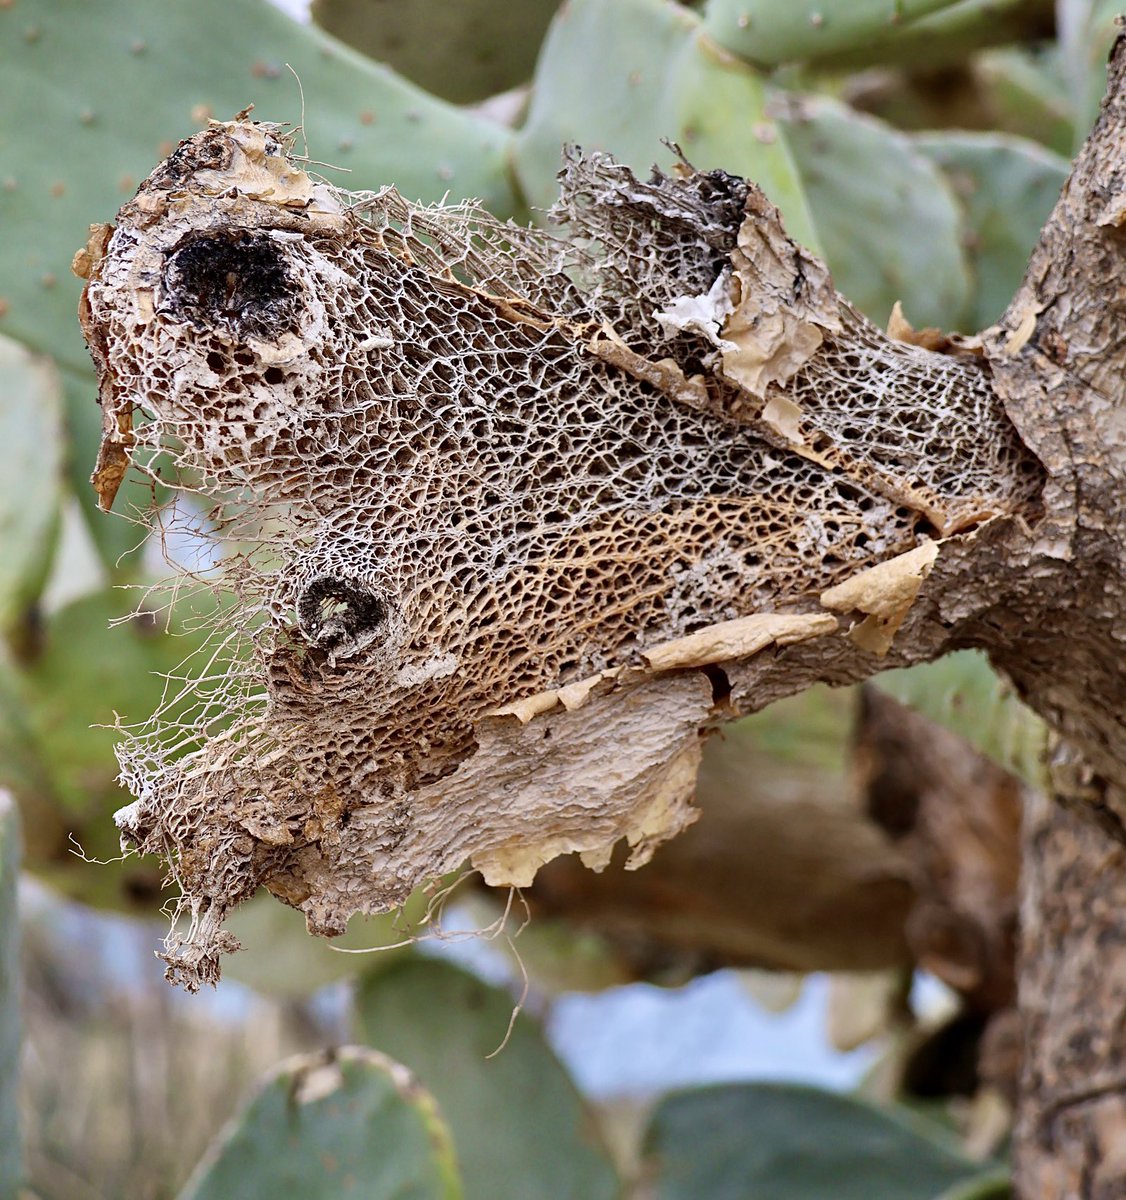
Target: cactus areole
[(511, 518)]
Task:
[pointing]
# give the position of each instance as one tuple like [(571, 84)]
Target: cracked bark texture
[(1070, 1137), (1058, 628), (1063, 388)]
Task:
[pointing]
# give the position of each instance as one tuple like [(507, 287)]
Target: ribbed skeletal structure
[(453, 464)]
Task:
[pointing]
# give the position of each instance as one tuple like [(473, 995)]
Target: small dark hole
[(721, 685), (216, 362), (336, 613), (275, 375)]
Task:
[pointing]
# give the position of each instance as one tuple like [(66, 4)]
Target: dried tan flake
[(885, 593)]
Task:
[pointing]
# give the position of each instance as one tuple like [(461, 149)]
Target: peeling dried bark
[(1058, 363)]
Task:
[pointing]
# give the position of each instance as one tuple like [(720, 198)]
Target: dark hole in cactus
[(339, 614), (241, 283)]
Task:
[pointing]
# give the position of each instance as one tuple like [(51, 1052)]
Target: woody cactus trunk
[(517, 518)]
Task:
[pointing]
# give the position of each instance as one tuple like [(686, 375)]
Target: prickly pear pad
[(482, 494)]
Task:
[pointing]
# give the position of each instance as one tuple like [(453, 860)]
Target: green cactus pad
[(963, 693), (518, 1123), (279, 958), (82, 677), (1007, 188), (948, 35), (462, 52), (1086, 47), (1027, 96), (31, 450), (324, 1127), (769, 32), (56, 753), (789, 1142), (989, 1185), (622, 76), (1013, 90), (889, 223)]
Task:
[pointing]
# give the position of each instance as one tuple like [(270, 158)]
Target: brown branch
[(1060, 631), (1071, 1125)]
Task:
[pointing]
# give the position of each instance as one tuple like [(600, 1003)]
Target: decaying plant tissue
[(497, 505)]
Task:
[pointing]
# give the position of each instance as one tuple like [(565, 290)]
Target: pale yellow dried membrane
[(885, 592), (783, 304), (783, 416), (902, 330), (261, 170), (621, 765), (573, 696), (732, 640), (1026, 327)]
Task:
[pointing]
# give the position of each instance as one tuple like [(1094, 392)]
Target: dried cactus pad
[(496, 505)]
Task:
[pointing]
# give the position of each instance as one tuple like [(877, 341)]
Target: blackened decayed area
[(210, 150), (336, 613), (240, 283)]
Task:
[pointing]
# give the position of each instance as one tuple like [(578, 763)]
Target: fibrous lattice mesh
[(454, 464)]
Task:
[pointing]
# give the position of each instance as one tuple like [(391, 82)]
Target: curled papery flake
[(493, 513), (782, 304)]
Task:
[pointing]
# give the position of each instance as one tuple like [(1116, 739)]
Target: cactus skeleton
[(500, 503)]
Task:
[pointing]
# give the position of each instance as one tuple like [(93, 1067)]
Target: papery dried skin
[(472, 465)]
